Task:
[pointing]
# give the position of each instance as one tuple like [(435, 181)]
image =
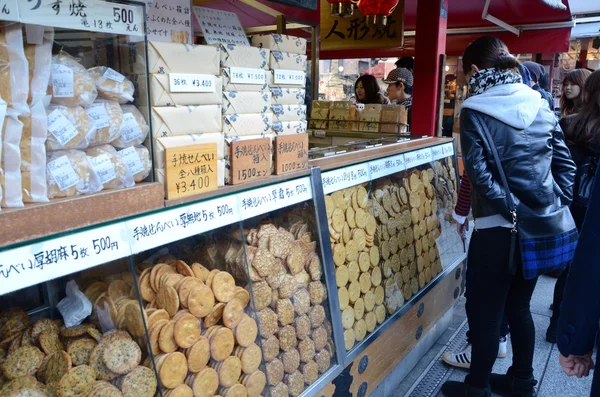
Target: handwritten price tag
[(9, 10), (418, 157), (158, 229), (291, 153), (250, 160), (289, 77), (35, 263), (270, 198), (247, 76), (386, 166), (190, 170), (345, 177), (442, 151), (184, 82)]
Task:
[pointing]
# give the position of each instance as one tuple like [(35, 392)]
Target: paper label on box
[(99, 116), (188, 82), (61, 127), (130, 129), (63, 173), (248, 76), (104, 167), (132, 160), (287, 77), (114, 75), (62, 81)]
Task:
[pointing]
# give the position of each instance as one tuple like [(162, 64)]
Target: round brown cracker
[(81, 350), (198, 355), (223, 286), (187, 330), (24, 361), (201, 301), (77, 382), (121, 356), (173, 370)]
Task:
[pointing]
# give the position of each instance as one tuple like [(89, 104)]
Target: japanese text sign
[(169, 20), (190, 170), (291, 153), (250, 160), (220, 26)]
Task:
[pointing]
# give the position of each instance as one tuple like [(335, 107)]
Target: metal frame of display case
[(125, 227)]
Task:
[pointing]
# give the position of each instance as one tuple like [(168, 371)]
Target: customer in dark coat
[(537, 71)]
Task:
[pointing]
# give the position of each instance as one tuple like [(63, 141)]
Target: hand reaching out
[(578, 366), (462, 229)]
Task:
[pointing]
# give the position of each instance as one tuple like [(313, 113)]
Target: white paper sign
[(114, 75), (132, 160), (270, 198), (442, 151), (158, 229), (61, 127), (35, 263), (185, 82), (220, 26), (9, 10), (342, 178), (104, 167), (169, 20), (62, 81), (386, 166), (130, 129), (63, 173), (91, 15), (417, 157), (289, 77), (247, 76), (99, 116)]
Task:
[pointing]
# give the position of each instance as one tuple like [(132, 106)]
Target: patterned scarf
[(487, 78)]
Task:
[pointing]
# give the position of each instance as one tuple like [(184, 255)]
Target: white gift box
[(288, 112), (185, 120), (287, 60), (290, 127), (161, 95), (230, 86), (288, 96), (240, 56), (246, 102), (236, 125), (280, 42), (166, 57)]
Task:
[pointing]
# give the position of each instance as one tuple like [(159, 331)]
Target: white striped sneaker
[(460, 360)]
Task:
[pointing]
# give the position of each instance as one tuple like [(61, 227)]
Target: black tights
[(492, 292)]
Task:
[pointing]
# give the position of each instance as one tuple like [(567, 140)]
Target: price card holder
[(386, 166), (265, 199), (291, 153), (345, 177), (250, 160), (418, 157), (442, 151), (186, 82), (248, 76), (289, 77), (190, 170)]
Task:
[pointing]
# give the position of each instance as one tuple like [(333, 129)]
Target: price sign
[(92, 15), (386, 166), (270, 198), (291, 153), (190, 170), (345, 177), (220, 26), (442, 151), (289, 77), (247, 76), (250, 160), (164, 227), (185, 82), (417, 157), (35, 263), (9, 11)]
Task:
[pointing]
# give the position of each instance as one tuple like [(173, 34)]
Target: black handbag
[(547, 237), (584, 181)]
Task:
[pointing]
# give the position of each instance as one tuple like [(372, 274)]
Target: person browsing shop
[(537, 71), (400, 88), (367, 91), (572, 98)]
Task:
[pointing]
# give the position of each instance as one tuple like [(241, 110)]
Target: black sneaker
[(510, 386), (551, 332), (463, 389)]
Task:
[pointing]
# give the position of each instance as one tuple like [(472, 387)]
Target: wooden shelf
[(35, 221)]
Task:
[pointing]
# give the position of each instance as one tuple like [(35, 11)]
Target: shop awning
[(381, 70)]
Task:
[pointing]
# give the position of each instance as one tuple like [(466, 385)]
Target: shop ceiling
[(540, 27)]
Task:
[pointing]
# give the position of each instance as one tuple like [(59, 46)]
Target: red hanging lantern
[(341, 8), (376, 12)]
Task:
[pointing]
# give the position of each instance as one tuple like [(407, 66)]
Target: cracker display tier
[(352, 231), (44, 358), (291, 299), (445, 182)]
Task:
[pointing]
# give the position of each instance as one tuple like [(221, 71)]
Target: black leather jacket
[(536, 161)]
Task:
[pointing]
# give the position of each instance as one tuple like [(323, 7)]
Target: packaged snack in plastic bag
[(134, 129), (112, 85), (14, 75), (107, 118), (69, 173), (68, 128), (110, 167), (71, 84), (39, 58), (10, 177), (75, 307), (137, 159), (33, 155)]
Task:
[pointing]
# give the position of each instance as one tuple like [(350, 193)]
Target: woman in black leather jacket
[(539, 171)]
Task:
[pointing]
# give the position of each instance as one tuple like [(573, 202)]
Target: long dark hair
[(572, 106), (371, 87), (585, 127), (488, 52)]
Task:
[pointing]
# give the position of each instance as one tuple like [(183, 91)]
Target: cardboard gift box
[(280, 42), (229, 86), (167, 58), (161, 95), (236, 125), (319, 110), (287, 60), (369, 118), (246, 102), (390, 117), (240, 56), (290, 127), (185, 120), (288, 96), (288, 112), (315, 124)]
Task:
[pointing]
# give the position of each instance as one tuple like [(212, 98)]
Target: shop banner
[(169, 20), (352, 33)]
